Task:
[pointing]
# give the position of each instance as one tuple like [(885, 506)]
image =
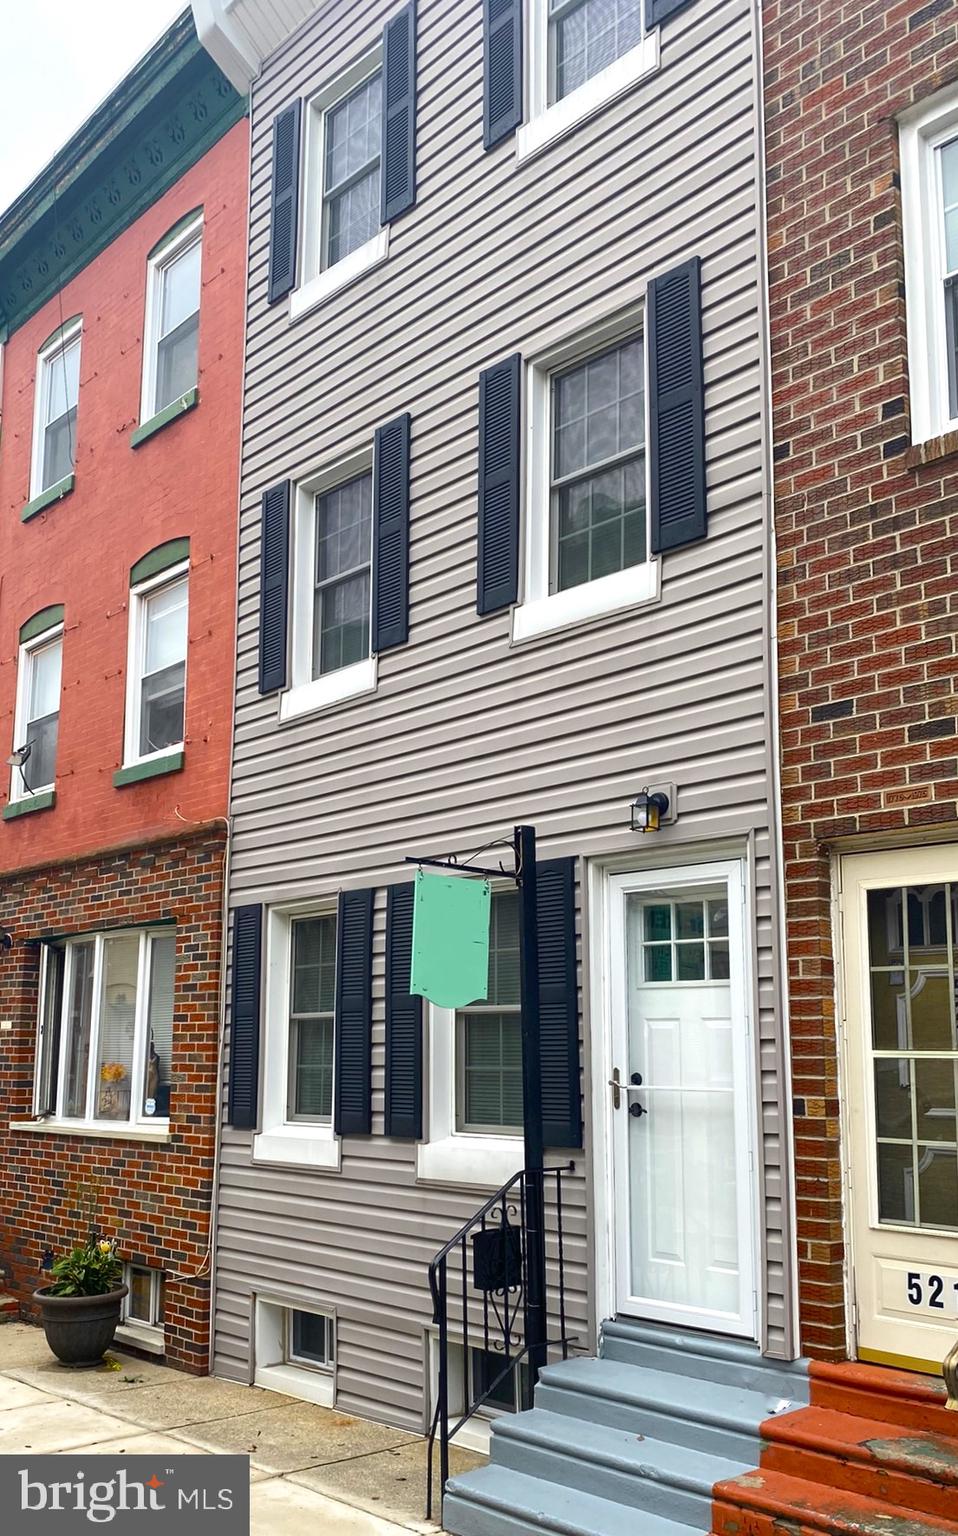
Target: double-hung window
[(106, 1028), (929, 170), (55, 417), (586, 536), (38, 715), (311, 1014), (171, 352), (352, 134), (586, 36), (156, 692), (488, 1035)]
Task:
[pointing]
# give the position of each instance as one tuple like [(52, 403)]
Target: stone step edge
[(724, 1349), (472, 1488), (793, 1503), (513, 1429), (838, 1436), (667, 1407), (858, 1377)]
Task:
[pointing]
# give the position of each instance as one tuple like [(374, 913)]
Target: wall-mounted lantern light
[(648, 811)]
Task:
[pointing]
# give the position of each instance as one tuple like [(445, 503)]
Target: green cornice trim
[(42, 802), (41, 622), (159, 559), (48, 497), (162, 118), (163, 418), (171, 763), (171, 234)]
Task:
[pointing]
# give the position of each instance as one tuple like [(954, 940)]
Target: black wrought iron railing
[(483, 1289)]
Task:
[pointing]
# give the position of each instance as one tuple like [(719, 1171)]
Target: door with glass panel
[(899, 926), (679, 1099)]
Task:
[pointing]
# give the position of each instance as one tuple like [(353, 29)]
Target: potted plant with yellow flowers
[(81, 1309)]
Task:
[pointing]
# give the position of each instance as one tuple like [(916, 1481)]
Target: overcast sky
[(60, 58)]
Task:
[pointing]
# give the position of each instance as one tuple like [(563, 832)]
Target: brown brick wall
[(868, 604), (154, 1199)]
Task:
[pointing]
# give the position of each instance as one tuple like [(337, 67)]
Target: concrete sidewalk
[(311, 1469)]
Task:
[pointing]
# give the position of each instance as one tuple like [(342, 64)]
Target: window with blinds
[(488, 1039), (106, 1040)]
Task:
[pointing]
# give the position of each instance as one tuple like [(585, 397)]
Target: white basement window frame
[(105, 1030), (56, 403), (288, 1137), (311, 689), (553, 111), (543, 609), (165, 379), (39, 678), (324, 270), (147, 683), (929, 172), (294, 1348), (142, 1310)]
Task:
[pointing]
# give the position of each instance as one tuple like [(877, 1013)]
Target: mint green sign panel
[(450, 940)]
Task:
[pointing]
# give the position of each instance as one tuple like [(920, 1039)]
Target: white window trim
[(18, 789), (319, 282), (304, 1143), (306, 693), (451, 1156), (548, 123), (190, 234), (311, 1383), (541, 612), (138, 1126), (46, 356), (136, 637), (149, 1337), (922, 132)]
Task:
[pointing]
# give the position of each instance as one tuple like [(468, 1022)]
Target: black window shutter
[(403, 1021), (284, 212), (398, 189), (502, 64), (500, 427), (677, 409), (661, 10), (558, 1004), (352, 1110), (274, 587), (391, 535), (245, 1017)]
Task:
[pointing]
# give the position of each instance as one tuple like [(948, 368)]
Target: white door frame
[(606, 887)]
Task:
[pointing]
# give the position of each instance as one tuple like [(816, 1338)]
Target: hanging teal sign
[(450, 940)]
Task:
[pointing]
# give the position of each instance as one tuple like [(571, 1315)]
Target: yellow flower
[(104, 1247)]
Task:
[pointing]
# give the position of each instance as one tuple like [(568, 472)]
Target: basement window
[(294, 1349)]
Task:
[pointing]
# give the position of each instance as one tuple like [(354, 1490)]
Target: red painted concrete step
[(764, 1503), (876, 1392), (918, 1471)]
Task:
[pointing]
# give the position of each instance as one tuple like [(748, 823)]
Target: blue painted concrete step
[(651, 1475), (706, 1357), (496, 1501)]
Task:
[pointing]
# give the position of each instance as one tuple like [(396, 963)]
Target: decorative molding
[(48, 497), (160, 121), (162, 558), (163, 418), (41, 621), (171, 762)]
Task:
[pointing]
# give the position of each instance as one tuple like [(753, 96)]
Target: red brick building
[(121, 301), (862, 166)]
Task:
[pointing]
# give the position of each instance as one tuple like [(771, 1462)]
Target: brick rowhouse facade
[(866, 524), (114, 854)]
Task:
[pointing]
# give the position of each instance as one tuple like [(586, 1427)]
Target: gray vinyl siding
[(467, 734)]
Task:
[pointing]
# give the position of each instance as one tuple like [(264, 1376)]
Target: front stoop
[(877, 1451), (9, 1308), (634, 1441)]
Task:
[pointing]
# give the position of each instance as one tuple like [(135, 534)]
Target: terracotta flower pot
[(79, 1329)]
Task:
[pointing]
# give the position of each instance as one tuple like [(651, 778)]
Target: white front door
[(678, 1101), (899, 920)]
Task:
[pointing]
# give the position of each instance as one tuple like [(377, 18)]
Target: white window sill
[(592, 600), (483, 1162), (321, 692), (559, 119), (322, 287), (309, 1386), (107, 1130), (151, 1340), (308, 1146)]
